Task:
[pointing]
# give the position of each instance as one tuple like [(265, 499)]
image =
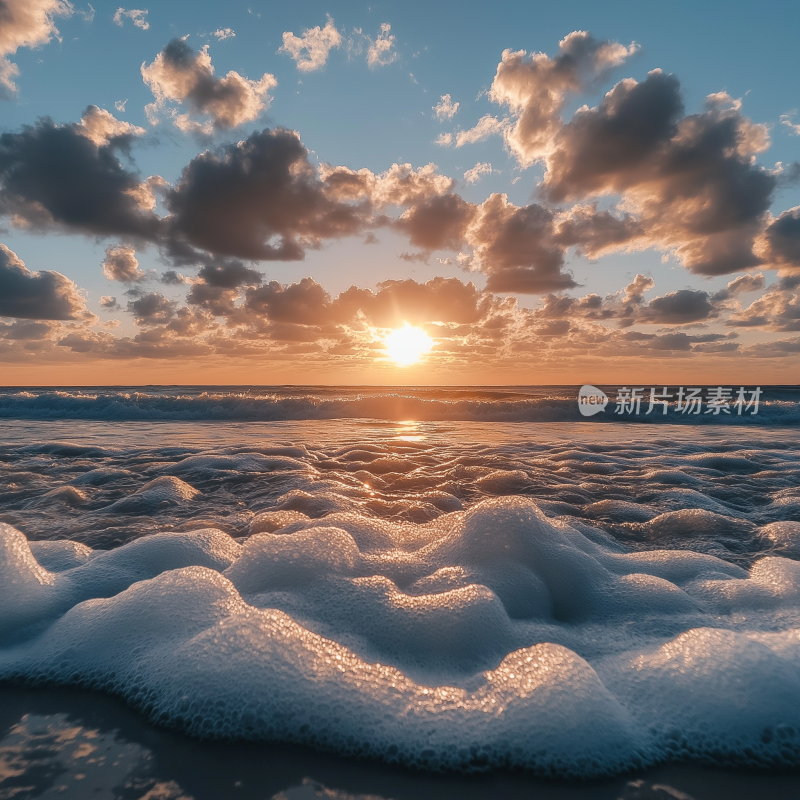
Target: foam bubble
[(488, 637)]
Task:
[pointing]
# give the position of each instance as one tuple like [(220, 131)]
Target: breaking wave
[(779, 406)]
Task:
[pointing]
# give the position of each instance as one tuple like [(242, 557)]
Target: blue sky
[(351, 115)]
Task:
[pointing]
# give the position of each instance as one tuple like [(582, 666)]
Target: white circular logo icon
[(591, 400)]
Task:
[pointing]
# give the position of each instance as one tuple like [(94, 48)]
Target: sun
[(407, 345)]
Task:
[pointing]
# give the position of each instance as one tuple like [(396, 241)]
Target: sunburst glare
[(407, 345)]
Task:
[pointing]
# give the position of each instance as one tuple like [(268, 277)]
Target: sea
[(443, 582)]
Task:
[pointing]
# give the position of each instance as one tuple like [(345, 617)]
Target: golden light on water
[(407, 345)]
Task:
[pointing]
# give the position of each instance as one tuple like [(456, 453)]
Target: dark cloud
[(259, 199), (152, 308), (594, 232), (679, 308), (516, 249), (683, 307), (56, 176), (303, 303), (691, 180), (172, 278), (439, 223), (228, 274), (26, 330), (36, 295), (783, 239)]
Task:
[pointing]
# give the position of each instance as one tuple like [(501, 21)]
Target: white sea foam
[(494, 636)]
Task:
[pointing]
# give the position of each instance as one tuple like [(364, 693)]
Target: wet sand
[(76, 744)]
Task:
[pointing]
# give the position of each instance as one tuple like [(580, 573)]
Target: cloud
[(690, 181), (224, 33), (536, 87), (743, 284), (121, 264), (400, 185), (152, 308), (628, 307), (101, 126), (515, 247), (444, 139), (381, 49), (782, 240), (137, 16), (788, 121), (438, 223), (56, 176), (36, 295), (445, 108), (181, 75), (25, 23), (310, 51), (778, 309), (259, 199), (779, 348), (594, 233), (487, 126), (110, 303), (679, 308), (440, 300), (217, 284), (474, 174)]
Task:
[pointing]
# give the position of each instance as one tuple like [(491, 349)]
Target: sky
[(399, 193)]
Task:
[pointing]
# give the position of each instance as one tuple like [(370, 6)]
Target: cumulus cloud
[(25, 23), (535, 88), (438, 223), (36, 295), (690, 181), (57, 176), (224, 33), (121, 264), (110, 303), (400, 185), (182, 75), (137, 16), (259, 199), (381, 49), (515, 247), (445, 108), (782, 240), (102, 126), (310, 51), (152, 308)]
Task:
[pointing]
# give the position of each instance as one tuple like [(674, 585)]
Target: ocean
[(458, 582)]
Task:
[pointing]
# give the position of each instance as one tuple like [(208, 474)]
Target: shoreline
[(77, 743)]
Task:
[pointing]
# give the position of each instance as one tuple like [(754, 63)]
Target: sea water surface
[(448, 580)]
